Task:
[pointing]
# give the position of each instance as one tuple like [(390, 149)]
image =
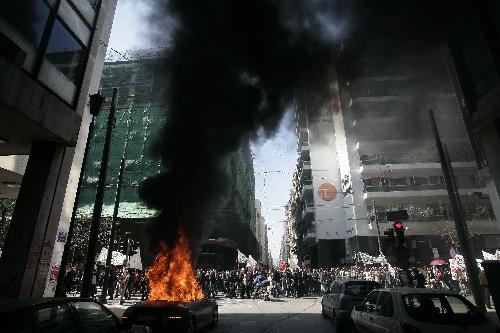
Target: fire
[(172, 277)]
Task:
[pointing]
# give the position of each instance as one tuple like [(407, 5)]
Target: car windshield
[(359, 289), (442, 309)]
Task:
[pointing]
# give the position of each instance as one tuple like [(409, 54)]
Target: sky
[(274, 159)]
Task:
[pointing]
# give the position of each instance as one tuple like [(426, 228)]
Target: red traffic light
[(398, 225)]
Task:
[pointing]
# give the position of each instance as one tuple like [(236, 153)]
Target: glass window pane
[(65, 52), (54, 318), (371, 301), (385, 307), (94, 319), (69, 16), (27, 16)]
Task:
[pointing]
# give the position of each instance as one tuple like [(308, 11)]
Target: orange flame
[(172, 277)]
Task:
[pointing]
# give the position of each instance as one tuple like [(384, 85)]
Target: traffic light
[(400, 231), (389, 232)]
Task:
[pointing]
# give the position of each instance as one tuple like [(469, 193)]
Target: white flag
[(488, 256), (251, 262), (241, 257)]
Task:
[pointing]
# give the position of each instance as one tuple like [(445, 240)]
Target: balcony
[(308, 212), (375, 168), (305, 152), (413, 195), (306, 194), (302, 136), (305, 172)]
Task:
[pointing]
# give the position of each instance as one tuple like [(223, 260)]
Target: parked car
[(419, 310), (54, 315), (169, 316), (343, 296)]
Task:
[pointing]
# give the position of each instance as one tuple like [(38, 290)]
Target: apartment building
[(51, 57)]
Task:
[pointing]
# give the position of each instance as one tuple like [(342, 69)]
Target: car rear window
[(359, 289), (442, 309)]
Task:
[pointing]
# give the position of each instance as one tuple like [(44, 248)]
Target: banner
[(370, 260), (488, 256), (251, 262), (242, 259), (135, 261), (117, 258)]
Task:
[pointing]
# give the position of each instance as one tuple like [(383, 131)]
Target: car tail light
[(407, 328)]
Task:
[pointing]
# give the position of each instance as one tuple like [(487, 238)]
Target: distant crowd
[(287, 282), (258, 283)]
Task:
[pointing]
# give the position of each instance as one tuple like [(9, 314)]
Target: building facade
[(51, 59), (370, 149)]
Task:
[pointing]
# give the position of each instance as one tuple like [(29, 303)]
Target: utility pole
[(125, 268), (378, 228), (460, 223), (95, 104), (115, 217), (99, 198)]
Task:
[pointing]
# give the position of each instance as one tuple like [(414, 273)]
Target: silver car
[(419, 310), (343, 296)]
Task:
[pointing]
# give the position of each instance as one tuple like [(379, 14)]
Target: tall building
[(371, 150), (236, 221), (51, 59), (261, 233), (471, 34)]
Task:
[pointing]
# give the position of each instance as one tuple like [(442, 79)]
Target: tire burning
[(172, 277)]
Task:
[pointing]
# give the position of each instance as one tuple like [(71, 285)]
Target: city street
[(257, 316), (277, 315)]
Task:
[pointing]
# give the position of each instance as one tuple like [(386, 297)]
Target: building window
[(420, 180), (65, 52), (28, 17)]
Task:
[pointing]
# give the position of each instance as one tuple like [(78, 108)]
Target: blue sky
[(274, 159)]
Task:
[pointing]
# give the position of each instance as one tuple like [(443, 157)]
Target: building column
[(25, 261), (490, 140)]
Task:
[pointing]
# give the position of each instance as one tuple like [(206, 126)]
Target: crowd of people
[(252, 283), (286, 282), (130, 282)]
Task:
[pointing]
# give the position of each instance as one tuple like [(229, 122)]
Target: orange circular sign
[(327, 191)]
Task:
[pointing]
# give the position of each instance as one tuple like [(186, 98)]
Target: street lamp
[(99, 199), (95, 104)]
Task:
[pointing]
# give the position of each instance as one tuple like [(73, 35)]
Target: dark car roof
[(165, 304), (159, 304), (409, 290), (22, 303)]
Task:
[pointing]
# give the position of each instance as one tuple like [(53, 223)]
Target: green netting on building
[(140, 118), (145, 122)]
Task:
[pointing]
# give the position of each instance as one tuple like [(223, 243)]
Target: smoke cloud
[(231, 70)]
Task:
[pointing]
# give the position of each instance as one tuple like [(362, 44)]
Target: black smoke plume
[(232, 69)]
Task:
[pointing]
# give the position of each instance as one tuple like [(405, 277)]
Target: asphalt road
[(275, 316), (282, 315)]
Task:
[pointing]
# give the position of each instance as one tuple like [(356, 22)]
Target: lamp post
[(99, 198), (463, 234), (95, 103), (107, 270)]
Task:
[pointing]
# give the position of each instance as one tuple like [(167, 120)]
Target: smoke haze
[(231, 71)]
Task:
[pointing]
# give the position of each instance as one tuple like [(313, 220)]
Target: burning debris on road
[(171, 277)]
